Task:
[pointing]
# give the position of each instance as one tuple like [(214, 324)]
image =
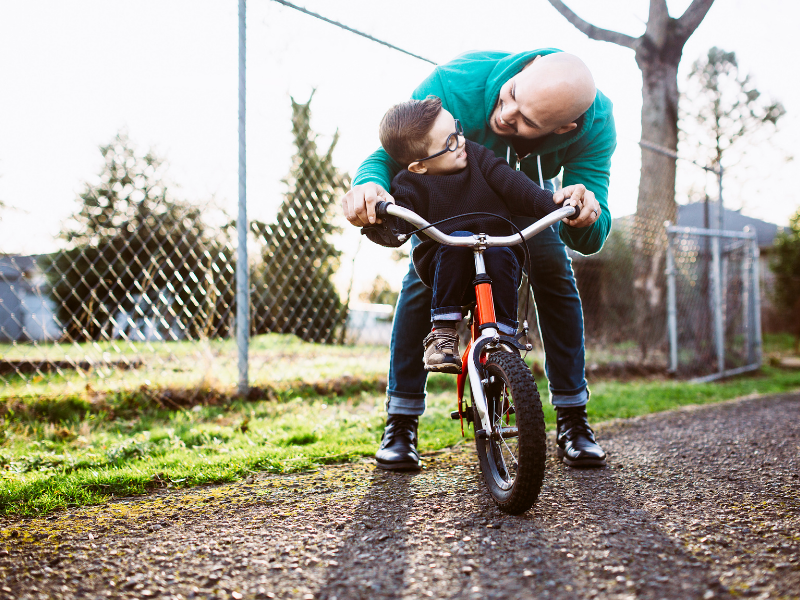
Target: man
[(542, 111)]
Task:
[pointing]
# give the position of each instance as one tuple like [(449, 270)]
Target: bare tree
[(725, 107), (658, 52)]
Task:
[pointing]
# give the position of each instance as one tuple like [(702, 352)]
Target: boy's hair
[(405, 127)]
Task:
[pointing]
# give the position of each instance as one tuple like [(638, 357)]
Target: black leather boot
[(398, 451), (576, 444)]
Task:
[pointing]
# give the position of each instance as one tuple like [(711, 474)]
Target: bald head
[(547, 96), (560, 84)]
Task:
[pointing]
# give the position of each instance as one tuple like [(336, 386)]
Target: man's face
[(514, 115), (524, 109)]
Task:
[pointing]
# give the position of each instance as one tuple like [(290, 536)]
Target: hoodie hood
[(508, 67)]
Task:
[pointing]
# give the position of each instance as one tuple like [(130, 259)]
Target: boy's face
[(449, 162)]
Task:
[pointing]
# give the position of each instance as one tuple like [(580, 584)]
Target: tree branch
[(595, 33), (691, 19), (657, 23)]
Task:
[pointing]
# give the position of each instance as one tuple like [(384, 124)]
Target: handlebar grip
[(575, 212), (380, 208)]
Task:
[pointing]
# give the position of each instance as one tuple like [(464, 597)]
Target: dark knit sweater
[(487, 185)]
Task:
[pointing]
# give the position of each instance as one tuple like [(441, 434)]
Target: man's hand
[(358, 205), (579, 196)]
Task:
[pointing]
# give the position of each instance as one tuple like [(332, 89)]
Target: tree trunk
[(658, 53), (656, 201)]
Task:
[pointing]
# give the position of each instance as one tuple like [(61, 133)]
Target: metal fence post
[(242, 283), (672, 308), (756, 302), (747, 300), (721, 216), (716, 272)]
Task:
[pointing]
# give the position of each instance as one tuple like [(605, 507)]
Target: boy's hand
[(582, 198), (358, 205)]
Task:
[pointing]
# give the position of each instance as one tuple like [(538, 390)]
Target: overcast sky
[(75, 73)]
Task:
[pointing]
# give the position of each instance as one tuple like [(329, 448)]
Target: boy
[(456, 177)]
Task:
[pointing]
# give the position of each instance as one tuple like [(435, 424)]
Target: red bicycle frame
[(483, 313)]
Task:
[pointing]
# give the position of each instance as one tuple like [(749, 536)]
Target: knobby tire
[(513, 495)]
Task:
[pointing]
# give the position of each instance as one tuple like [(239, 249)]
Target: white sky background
[(73, 74)]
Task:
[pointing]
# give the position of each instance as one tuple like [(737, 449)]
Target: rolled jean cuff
[(507, 327), (399, 403), (447, 313), (564, 401)]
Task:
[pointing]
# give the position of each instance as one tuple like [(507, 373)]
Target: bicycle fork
[(484, 332)]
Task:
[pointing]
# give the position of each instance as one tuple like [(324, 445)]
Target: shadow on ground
[(697, 503)]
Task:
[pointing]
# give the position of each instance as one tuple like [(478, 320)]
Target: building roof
[(691, 215), (14, 266)]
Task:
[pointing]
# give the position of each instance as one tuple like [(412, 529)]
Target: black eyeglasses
[(452, 142)]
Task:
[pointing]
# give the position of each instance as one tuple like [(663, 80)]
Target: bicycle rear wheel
[(512, 459)]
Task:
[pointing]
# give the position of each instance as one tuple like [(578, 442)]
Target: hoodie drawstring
[(539, 164), (517, 164)]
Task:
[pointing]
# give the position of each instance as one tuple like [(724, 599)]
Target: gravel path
[(697, 503)]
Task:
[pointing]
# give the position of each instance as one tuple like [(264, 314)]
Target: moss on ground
[(73, 452)]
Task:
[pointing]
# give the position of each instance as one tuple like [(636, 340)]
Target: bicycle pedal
[(466, 415)]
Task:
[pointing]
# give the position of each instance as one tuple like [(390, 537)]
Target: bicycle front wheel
[(512, 456)]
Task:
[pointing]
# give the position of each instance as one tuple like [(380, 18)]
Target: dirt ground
[(696, 503)]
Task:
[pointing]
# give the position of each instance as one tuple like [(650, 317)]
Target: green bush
[(786, 266)]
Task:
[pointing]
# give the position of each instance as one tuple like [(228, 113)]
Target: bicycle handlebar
[(384, 208)]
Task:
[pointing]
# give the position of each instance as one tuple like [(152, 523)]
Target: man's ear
[(566, 128), (418, 168)]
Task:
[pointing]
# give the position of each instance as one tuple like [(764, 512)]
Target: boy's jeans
[(560, 319), (453, 271)]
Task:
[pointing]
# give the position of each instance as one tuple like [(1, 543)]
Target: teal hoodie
[(469, 86)]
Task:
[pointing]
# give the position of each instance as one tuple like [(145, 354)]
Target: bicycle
[(511, 453)]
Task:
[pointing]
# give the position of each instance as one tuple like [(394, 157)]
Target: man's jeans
[(560, 319)]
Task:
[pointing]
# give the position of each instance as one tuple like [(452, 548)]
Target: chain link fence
[(634, 301), (142, 296), (713, 302)]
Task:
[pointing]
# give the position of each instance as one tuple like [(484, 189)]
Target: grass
[(48, 465), (777, 344), (70, 451), (275, 360), (206, 368)]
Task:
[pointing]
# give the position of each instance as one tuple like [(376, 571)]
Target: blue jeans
[(560, 318)]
